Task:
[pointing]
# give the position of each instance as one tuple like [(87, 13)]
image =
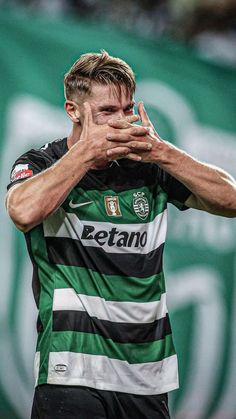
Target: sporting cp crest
[(140, 205)]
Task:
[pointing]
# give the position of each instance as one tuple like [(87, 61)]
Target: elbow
[(230, 204), (19, 213), (230, 199), (19, 218), (231, 212)]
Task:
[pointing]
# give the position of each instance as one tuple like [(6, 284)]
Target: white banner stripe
[(114, 311), (113, 238), (70, 368)]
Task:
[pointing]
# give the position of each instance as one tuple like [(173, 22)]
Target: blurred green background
[(185, 69)]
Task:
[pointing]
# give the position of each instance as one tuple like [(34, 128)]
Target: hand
[(98, 145), (156, 146)]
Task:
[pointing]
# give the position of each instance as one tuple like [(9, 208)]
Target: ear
[(72, 110)]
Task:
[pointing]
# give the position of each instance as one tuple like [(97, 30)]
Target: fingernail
[(149, 146), (109, 136)]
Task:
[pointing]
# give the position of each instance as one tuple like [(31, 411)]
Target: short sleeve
[(177, 192), (27, 165)]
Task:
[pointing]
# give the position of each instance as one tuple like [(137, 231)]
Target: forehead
[(101, 93)]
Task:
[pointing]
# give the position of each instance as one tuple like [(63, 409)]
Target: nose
[(120, 114)]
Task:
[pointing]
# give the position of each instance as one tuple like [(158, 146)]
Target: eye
[(130, 109), (108, 110)]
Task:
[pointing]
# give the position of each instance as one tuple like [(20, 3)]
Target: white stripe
[(36, 367), (68, 225), (111, 374), (114, 311)]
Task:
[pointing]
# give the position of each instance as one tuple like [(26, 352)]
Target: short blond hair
[(100, 68)]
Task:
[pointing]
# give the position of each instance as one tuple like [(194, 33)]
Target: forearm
[(213, 189), (33, 200)]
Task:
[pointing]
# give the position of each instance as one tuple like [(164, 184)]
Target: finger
[(123, 122), (118, 123), (136, 130), (88, 116), (133, 156), (117, 152), (127, 136), (119, 137), (132, 118), (137, 145), (143, 115)]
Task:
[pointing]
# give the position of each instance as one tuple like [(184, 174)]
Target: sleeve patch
[(21, 171)]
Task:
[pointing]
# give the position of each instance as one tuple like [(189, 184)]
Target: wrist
[(84, 155), (169, 156)]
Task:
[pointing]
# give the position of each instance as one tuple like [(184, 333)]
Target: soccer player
[(93, 208)]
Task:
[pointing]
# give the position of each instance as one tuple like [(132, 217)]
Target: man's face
[(109, 102)]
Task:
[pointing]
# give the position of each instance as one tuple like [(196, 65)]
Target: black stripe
[(80, 321), (128, 175), (36, 286), (39, 325), (66, 251)]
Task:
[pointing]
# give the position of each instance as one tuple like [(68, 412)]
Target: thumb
[(88, 116), (144, 116)]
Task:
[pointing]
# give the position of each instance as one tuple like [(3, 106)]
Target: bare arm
[(30, 202), (213, 190)]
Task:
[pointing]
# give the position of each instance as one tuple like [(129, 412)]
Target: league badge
[(21, 171)]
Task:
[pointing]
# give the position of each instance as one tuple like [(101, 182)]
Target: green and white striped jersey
[(98, 278)]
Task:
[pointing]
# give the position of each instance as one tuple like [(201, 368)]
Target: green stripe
[(46, 278), (96, 211), (110, 287), (88, 343)]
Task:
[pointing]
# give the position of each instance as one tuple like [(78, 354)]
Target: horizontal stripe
[(36, 367), (110, 287), (92, 344), (80, 321), (112, 238), (113, 311), (73, 253), (122, 177), (111, 374)]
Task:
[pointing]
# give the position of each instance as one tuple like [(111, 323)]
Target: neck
[(74, 135)]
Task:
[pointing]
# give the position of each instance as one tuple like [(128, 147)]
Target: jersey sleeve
[(177, 192), (26, 166)]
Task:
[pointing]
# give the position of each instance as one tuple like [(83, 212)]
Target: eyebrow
[(113, 107)]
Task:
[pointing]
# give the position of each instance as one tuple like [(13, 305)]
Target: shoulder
[(55, 149), (35, 161), (46, 154)]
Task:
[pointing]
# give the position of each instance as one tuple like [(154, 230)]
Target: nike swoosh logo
[(79, 205)]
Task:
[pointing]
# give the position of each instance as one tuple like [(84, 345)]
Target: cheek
[(102, 119)]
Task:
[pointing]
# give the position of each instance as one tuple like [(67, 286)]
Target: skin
[(213, 189), (93, 116), (103, 130)]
